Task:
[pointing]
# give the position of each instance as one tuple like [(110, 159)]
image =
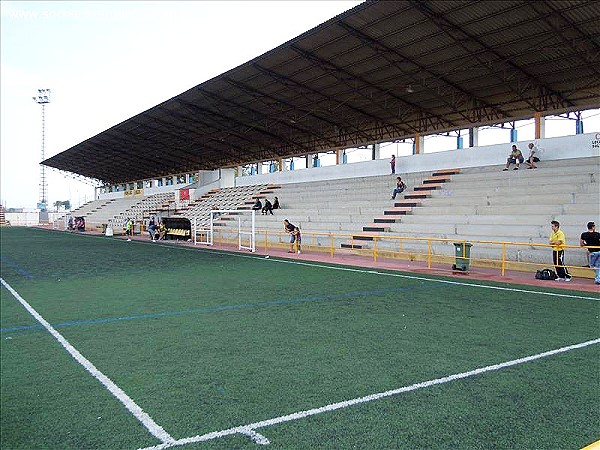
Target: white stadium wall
[(578, 146)]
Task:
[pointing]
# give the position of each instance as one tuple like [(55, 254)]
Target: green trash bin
[(462, 252)]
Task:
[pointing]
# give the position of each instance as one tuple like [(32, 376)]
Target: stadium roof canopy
[(379, 72)]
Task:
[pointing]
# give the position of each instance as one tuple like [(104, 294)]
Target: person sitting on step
[(515, 157), (400, 187)]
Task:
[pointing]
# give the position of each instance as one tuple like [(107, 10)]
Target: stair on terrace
[(481, 203), (401, 207), (99, 212)]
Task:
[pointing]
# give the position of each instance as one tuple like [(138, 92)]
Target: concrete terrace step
[(407, 203), (558, 171), (444, 172), (388, 219), (506, 232), (381, 200), (437, 179), (320, 211), (569, 163), (414, 195), (515, 210), (532, 198), (364, 236), (525, 186), (533, 219), (429, 187), (397, 211), (378, 227)]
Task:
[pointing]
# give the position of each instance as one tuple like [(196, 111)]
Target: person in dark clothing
[(400, 187), (268, 208), (295, 236), (257, 205), (591, 240), (152, 228), (276, 203), (558, 242)]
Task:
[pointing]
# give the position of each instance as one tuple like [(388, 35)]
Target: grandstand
[(477, 204), (245, 348), (456, 195)]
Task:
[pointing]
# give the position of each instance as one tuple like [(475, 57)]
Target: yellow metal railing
[(502, 255)]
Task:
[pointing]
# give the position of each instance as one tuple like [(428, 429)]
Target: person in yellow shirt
[(558, 241)]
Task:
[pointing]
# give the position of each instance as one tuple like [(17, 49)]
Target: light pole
[(43, 98)]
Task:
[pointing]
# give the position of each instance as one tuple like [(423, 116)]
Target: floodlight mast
[(43, 98)]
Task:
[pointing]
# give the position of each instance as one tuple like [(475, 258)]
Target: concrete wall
[(578, 146), (27, 219), (209, 179)]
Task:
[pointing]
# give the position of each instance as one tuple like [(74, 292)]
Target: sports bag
[(545, 274)]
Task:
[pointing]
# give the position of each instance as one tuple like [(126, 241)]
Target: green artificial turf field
[(206, 341)]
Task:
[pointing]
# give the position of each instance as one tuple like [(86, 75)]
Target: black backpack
[(545, 274)]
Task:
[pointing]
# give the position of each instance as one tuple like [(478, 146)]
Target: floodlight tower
[(43, 98)]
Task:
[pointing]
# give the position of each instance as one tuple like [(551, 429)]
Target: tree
[(65, 204)]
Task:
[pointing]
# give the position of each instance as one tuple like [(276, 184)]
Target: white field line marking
[(369, 398), (115, 390), (398, 275), (256, 437), (350, 269), (458, 283)]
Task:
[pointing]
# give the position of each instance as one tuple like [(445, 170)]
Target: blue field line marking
[(24, 273), (224, 308)]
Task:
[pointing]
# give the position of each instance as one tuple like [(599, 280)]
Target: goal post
[(233, 224), (202, 234)]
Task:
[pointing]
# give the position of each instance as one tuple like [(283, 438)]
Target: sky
[(108, 61)]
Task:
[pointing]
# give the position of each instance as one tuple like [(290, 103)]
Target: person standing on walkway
[(591, 240), (393, 164), (558, 242), (129, 229), (295, 236)]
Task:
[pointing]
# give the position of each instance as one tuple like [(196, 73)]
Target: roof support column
[(474, 137), (459, 141), (578, 123), (540, 126), (418, 144), (376, 152), (280, 162), (316, 160)]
